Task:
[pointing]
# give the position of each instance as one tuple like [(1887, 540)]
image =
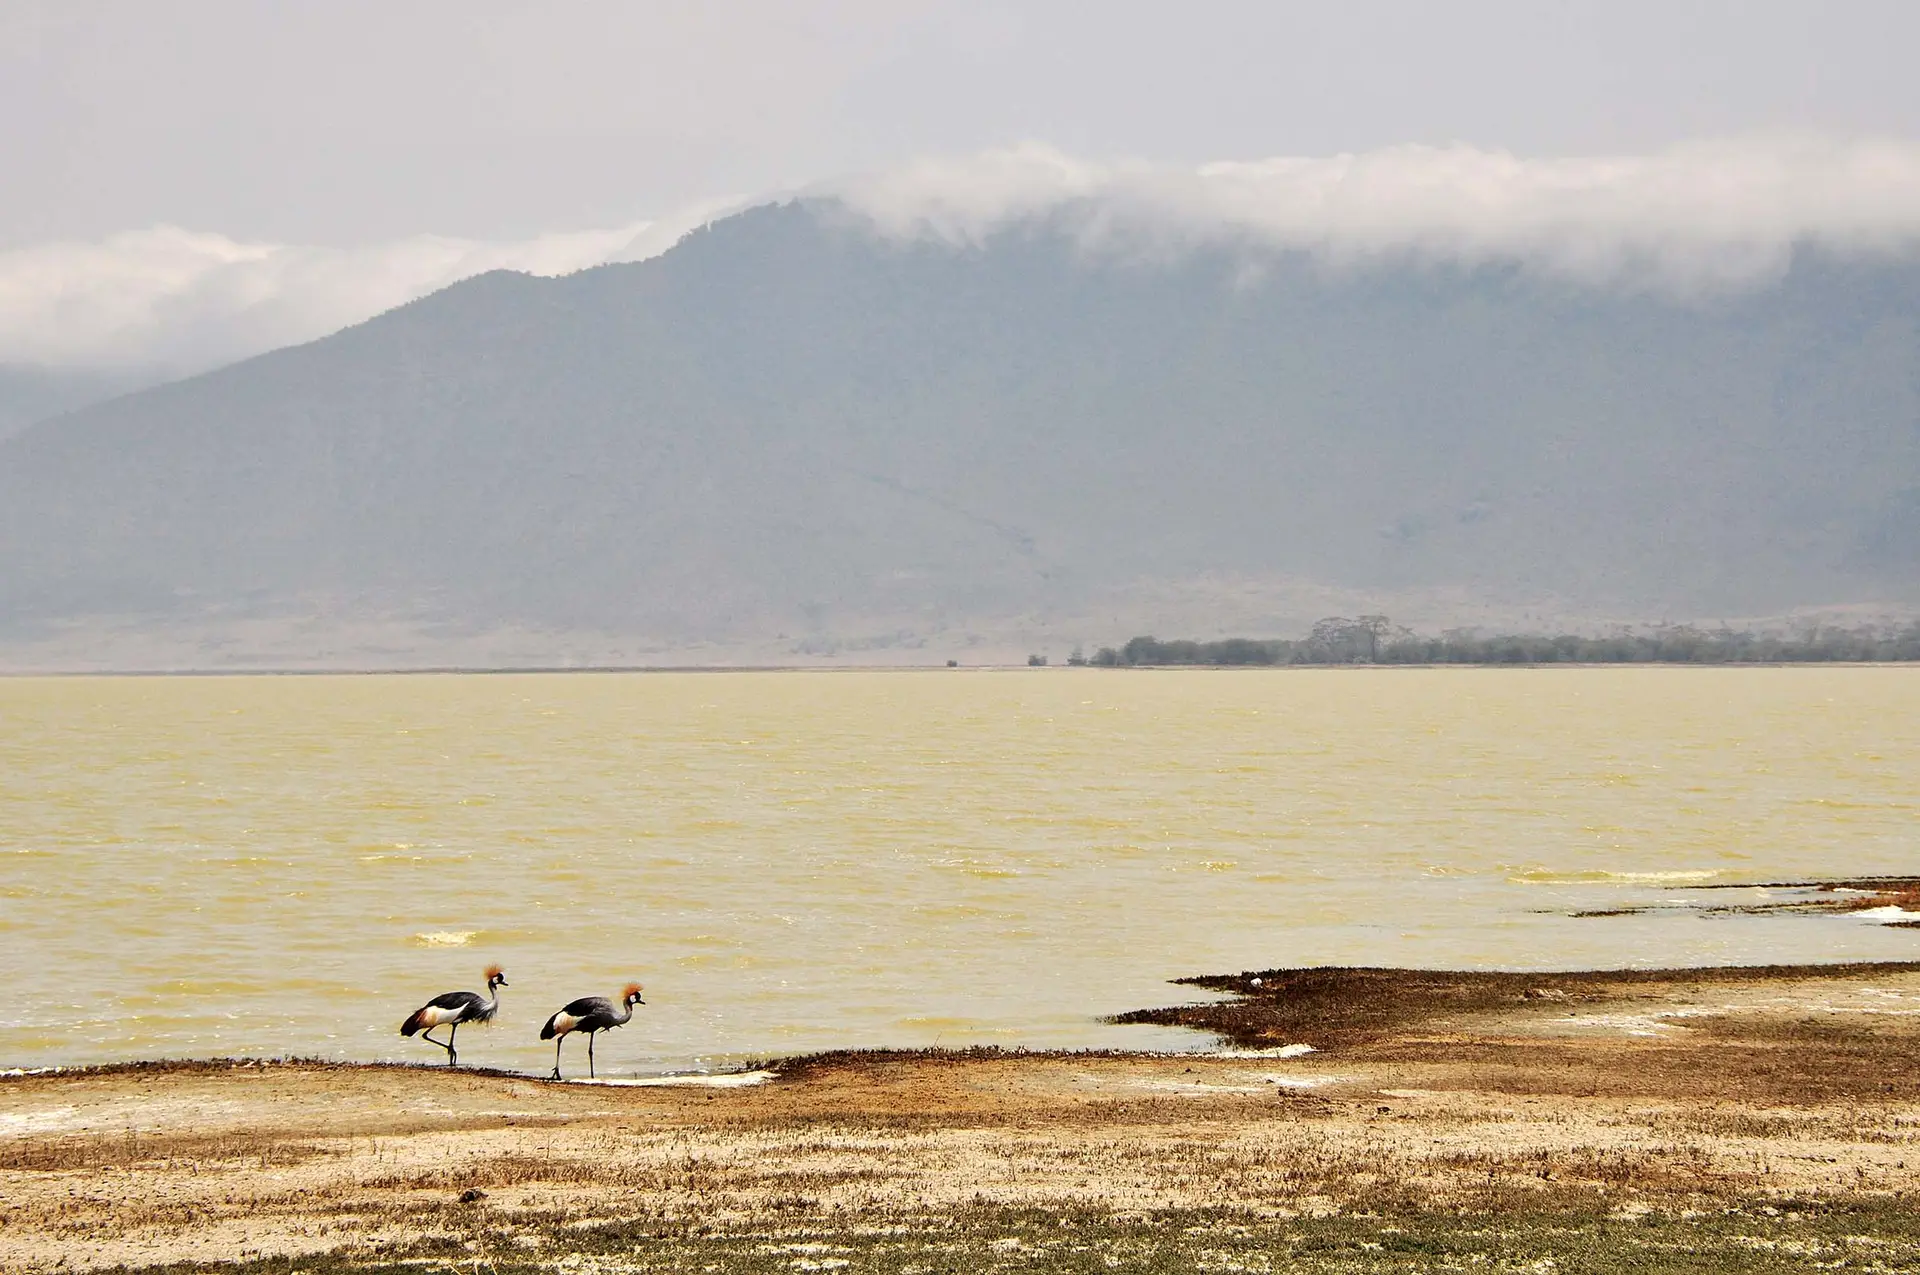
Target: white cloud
[(181, 300), (1694, 218), (1700, 216)]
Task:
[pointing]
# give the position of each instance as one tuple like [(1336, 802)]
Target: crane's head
[(631, 995), (495, 978)]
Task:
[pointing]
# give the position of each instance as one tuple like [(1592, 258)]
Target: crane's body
[(589, 1014), (450, 1009)]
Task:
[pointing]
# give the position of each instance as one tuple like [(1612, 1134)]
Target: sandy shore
[(1755, 1100)]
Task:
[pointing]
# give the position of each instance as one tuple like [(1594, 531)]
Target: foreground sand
[(1521, 1112)]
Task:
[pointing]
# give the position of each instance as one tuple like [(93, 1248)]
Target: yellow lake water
[(793, 861)]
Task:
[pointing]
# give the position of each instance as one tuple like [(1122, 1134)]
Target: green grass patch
[(1871, 1235)]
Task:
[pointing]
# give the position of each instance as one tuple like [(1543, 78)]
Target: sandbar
[(1349, 1120)]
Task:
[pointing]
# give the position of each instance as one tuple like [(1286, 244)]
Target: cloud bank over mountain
[(1692, 220), (183, 300), (1703, 216)]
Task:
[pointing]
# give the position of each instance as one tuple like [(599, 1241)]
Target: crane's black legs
[(590, 1056), (453, 1059), (556, 1055), (446, 1044)]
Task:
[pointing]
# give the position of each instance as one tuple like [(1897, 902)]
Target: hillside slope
[(789, 432)]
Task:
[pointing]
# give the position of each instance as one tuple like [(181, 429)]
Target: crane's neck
[(626, 1011)]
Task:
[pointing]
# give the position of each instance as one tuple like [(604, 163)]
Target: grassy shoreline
[(1866, 1235), (1745, 1118)]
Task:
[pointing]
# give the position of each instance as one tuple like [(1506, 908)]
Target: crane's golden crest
[(493, 972), (631, 989)]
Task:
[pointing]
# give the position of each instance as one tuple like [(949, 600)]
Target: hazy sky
[(187, 182), (351, 121)]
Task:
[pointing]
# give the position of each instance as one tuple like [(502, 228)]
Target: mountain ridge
[(788, 432)]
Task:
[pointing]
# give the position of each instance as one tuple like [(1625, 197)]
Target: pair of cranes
[(589, 1014)]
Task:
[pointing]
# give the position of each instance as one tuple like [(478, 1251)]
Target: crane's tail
[(415, 1021)]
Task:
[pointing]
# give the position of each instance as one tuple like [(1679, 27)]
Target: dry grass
[(130, 1150), (1456, 1124), (1339, 1006), (1905, 896)]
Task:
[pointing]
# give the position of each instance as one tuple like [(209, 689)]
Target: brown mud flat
[(1818, 898), (1738, 1119)]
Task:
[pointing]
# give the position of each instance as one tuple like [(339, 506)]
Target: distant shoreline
[(484, 670)]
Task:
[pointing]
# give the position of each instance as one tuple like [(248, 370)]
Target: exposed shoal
[(1555, 1101)]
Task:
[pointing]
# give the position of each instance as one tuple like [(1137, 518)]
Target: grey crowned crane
[(589, 1014), (450, 1009)]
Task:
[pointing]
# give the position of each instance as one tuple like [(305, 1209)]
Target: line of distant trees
[(1374, 639)]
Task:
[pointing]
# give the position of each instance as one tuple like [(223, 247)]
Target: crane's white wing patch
[(434, 1015)]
